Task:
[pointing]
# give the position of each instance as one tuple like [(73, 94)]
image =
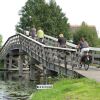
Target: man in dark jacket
[(61, 41)]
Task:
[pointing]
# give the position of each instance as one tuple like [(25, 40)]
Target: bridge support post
[(5, 66), (10, 61), (10, 66), (20, 65), (5, 63), (32, 70), (45, 75)]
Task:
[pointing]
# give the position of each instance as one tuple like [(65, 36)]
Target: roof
[(74, 28)]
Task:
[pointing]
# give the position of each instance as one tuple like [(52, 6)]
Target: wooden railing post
[(92, 56), (45, 67), (65, 62), (59, 61)]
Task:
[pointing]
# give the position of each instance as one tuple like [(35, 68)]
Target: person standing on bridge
[(61, 41), (33, 32), (40, 35)]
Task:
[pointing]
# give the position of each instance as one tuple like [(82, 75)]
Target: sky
[(76, 11)]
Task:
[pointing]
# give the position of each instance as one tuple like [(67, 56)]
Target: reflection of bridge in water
[(23, 53)]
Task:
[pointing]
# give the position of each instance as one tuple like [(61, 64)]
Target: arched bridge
[(24, 53)]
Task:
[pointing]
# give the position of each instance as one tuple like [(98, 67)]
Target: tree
[(98, 43), (49, 16), (88, 32), (0, 40)]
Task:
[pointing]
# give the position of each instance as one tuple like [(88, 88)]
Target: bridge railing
[(47, 55), (53, 41), (12, 42), (32, 47), (53, 58), (56, 56), (95, 51)]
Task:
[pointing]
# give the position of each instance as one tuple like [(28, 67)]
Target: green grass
[(70, 89)]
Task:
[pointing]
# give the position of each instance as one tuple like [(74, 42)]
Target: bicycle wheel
[(86, 66)]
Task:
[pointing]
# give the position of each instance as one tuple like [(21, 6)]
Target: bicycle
[(84, 60)]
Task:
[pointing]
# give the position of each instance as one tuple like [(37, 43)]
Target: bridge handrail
[(55, 39), (15, 38), (45, 46), (94, 49), (71, 44), (48, 55), (36, 42), (7, 41), (31, 39), (60, 48)]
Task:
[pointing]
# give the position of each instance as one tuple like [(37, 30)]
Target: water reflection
[(13, 87)]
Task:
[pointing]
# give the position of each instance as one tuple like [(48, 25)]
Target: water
[(15, 88)]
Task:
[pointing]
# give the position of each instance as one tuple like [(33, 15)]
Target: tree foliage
[(0, 40), (88, 32), (49, 16), (98, 43)]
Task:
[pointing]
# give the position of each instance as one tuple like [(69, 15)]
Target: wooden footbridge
[(24, 53)]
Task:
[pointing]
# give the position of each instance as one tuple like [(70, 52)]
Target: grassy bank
[(70, 89)]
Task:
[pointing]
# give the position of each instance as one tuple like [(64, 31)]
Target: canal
[(13, 87)]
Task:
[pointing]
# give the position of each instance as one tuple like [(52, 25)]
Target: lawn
[(70, 89)]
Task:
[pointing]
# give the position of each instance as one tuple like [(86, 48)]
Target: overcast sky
[(75, 10)]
